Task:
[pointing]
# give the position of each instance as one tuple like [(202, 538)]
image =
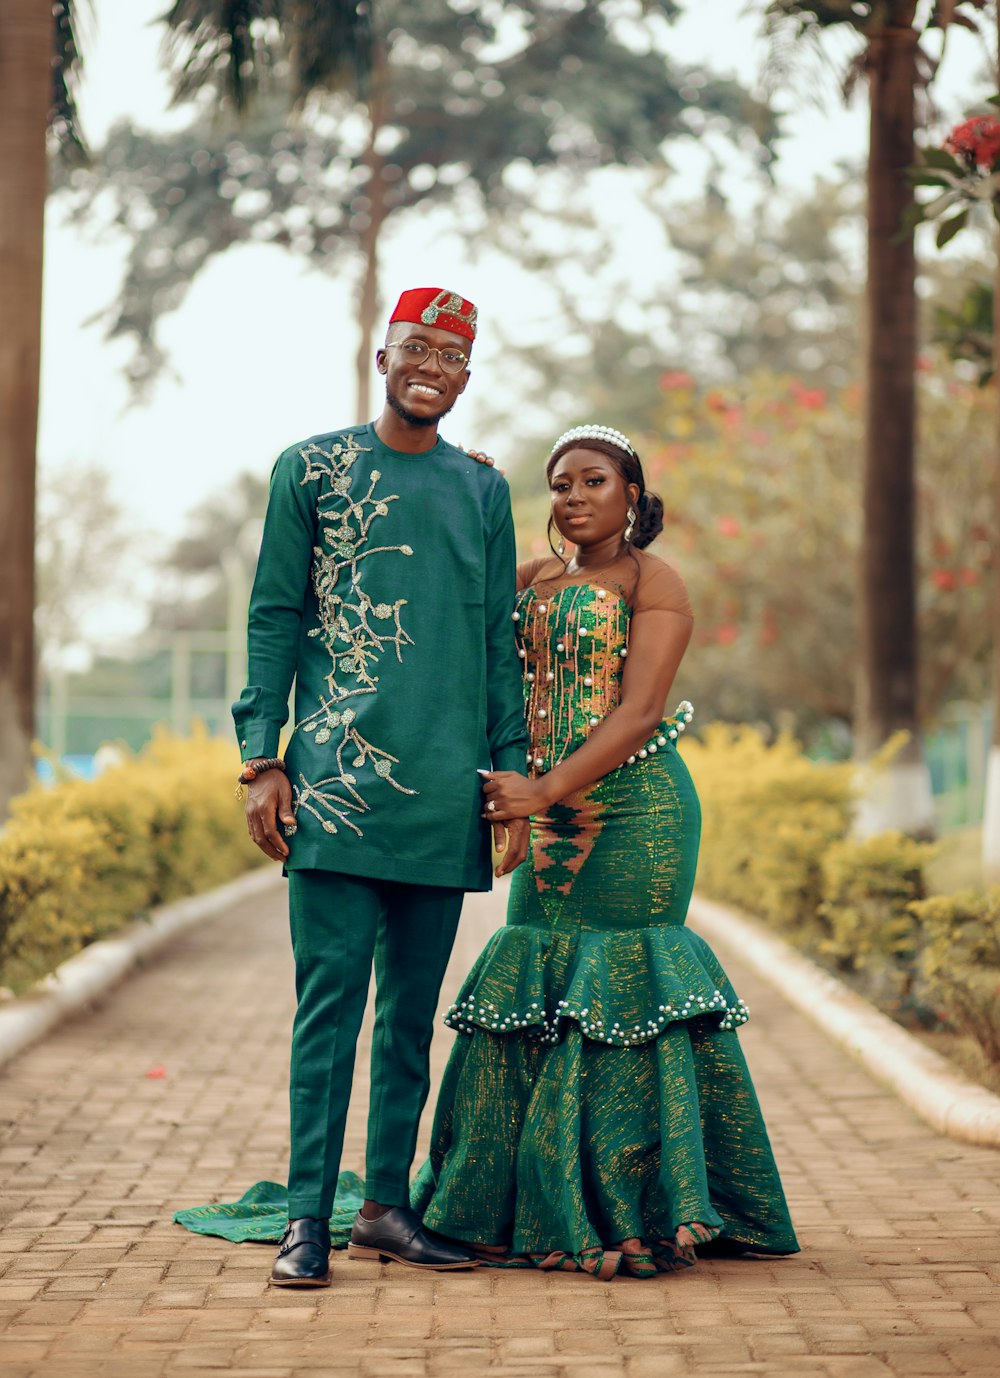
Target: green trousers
[(340, 925)]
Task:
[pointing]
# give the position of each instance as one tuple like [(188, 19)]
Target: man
[(385, 588)]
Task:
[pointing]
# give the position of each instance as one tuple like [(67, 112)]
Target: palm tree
[(36, 97), (886, 698)]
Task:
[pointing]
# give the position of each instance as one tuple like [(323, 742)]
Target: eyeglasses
[(416, 351)]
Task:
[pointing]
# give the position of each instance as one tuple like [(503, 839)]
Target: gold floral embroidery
[(349, 629)]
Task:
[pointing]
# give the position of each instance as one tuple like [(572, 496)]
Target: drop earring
[(630, 525), (561, 547)]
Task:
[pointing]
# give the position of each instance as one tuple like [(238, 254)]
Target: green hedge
[(82, 858), (776, 844)]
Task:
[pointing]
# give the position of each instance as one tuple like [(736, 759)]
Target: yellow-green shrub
[(82, 858), (960, 961), (868, 888), (769, 816)]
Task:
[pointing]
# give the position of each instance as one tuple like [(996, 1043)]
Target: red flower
[(675, 378), (728, 526), (976, 141), (944, 579), (727, 633), (812, 399)]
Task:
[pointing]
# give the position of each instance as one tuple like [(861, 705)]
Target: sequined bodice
[(573, 644)]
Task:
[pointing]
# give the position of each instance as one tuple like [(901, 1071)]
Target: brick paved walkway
[(900, 1228)]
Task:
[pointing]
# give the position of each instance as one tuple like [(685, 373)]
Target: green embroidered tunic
[(385, 586)]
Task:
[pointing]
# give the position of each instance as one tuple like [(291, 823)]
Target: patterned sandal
[(497, 1256), (637, 1263), (599, 1263), (679, 1252)]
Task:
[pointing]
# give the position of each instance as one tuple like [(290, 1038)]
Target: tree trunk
[(368, 304), (25, 93), (991, 806), (887, 681)]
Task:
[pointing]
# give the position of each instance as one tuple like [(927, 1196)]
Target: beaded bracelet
[(257, 766)]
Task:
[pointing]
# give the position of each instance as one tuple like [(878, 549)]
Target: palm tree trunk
[(887, 680), (25, 94), (991, 805), (375, 187)]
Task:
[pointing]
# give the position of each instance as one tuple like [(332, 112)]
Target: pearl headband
[(595, 432)]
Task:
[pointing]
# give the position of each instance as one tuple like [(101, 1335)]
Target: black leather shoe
[(399, 1236), (304, 1257)]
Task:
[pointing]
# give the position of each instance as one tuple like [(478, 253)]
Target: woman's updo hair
[(649, 522)]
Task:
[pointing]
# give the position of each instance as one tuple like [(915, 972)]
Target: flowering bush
[(965, 173), (977, 141)]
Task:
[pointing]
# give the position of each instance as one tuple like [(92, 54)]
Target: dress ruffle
[(622, 988)]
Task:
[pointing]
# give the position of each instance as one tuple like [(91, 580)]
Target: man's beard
[(412, 420)]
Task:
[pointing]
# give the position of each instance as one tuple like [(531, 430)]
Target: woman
[(597, 1112)]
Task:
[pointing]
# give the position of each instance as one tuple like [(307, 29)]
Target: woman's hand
[(509, 795)]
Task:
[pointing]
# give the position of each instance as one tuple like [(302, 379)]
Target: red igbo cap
[(435, 306)]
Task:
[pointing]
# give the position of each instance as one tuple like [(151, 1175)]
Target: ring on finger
[(491, 807)]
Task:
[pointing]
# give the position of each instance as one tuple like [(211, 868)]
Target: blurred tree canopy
[(464, 96), (741, 281), (760, 478)]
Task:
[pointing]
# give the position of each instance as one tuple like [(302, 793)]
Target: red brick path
[(900, 1228)]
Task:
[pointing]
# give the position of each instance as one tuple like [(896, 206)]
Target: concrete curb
[(87, 977), (922, 1079)]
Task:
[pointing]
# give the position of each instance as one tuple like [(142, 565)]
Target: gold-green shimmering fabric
[(599, 1091)]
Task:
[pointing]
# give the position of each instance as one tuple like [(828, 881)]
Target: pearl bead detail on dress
[(515, 617), (543, 607), (539, 761), (587, 681), (543, 713), (594, 722), (530, 677), (560, 646), (549, 676), (623, 652)]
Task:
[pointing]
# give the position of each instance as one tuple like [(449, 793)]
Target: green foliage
[(775, 844), (235, 45), (868, 887), (769, 816), (67, 61), (966, 331), (575, 92), (83, 858), (960, 961)]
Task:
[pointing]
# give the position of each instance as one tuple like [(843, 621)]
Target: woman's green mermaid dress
[(597, 1091)]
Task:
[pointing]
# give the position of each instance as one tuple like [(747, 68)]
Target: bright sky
[(256, 363)]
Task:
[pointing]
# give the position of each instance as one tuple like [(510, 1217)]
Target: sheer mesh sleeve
[(528, 570), (661, 588)]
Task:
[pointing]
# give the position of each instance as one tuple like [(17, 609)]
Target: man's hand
[(519, 835), (269, 800)]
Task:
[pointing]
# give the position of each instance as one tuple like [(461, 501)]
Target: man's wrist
[(257, 765)]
